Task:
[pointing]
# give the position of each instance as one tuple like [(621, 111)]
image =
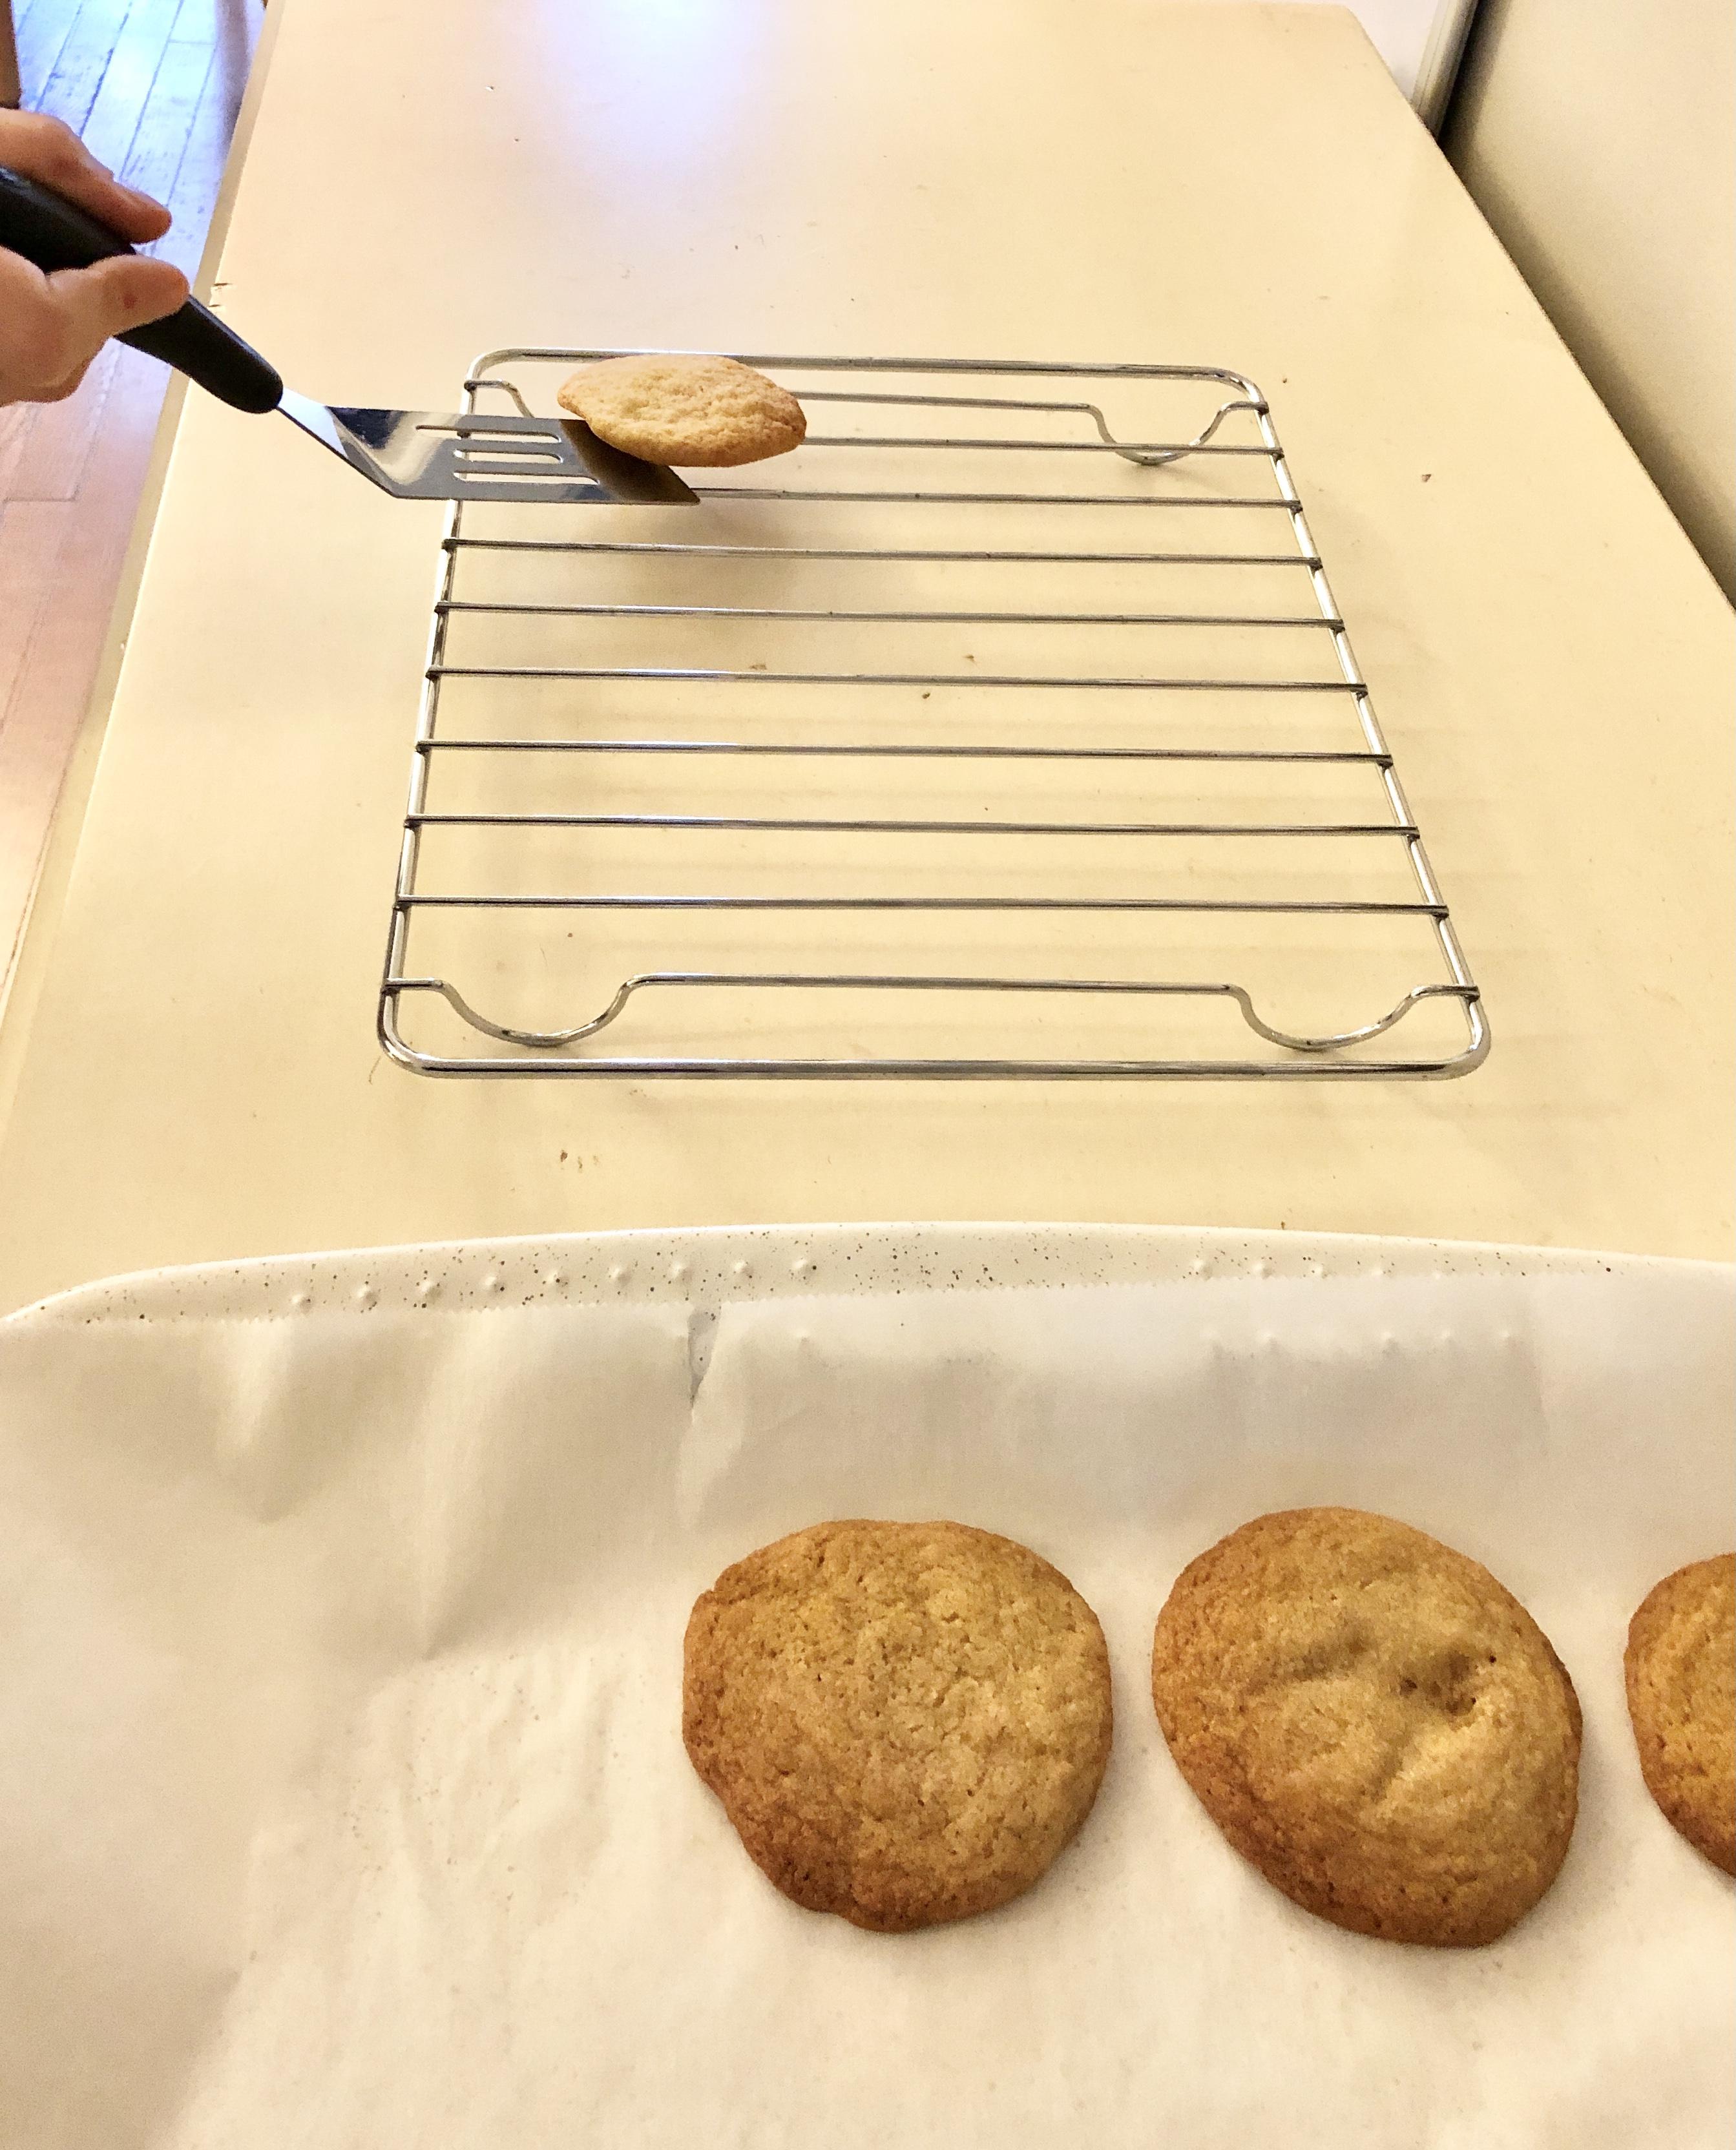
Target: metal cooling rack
[(764, 911)]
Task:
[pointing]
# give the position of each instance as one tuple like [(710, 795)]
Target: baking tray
[(710, 1264), (345, 1801)]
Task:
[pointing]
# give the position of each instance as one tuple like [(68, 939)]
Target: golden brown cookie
[(905, 1721), (709, 412), (1373, 1722), (1682, 1696)]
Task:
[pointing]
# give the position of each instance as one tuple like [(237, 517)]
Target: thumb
[(124, 292)]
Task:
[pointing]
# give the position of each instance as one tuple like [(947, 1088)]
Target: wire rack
[(1009, 728)]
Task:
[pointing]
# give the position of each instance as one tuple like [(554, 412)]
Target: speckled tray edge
[(711, 1265)]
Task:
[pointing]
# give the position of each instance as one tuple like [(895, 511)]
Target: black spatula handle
[(55, 234)]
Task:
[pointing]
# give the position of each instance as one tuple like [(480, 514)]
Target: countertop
[(190, 1059)]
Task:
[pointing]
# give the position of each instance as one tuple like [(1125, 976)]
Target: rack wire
[(919, 761)]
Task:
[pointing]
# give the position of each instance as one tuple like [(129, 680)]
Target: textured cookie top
[(708, 412), (1373, 1722), (1681, 1667), (905, 1721)]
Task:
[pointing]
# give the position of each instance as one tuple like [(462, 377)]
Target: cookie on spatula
[(676, 409)]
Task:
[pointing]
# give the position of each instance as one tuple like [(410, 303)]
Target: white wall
[(1400, 31), (1598, 136), (1415, 38)]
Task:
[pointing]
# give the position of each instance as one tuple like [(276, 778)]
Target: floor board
[(153, 86)]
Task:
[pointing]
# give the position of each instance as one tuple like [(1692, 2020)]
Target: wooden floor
[(154, 86)]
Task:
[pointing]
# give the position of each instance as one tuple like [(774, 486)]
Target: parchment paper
[(342, 1798)]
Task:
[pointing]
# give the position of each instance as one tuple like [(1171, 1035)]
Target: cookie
[(1373, 1722), (905, 1721), (1681, 1665), (710, 412)]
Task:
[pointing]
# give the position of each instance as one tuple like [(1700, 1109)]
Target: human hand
[(51, 327)]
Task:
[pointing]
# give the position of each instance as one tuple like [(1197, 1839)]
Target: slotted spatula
[(413, 455)]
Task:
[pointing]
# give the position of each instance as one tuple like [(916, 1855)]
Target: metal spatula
[(413, 455)]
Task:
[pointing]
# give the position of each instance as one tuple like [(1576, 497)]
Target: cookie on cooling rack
[(1373, 1722), (905, 1723), (1681, 1666), (706, 412)]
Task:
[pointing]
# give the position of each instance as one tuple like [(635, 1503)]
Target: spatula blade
[(624, 476), (471, 455)]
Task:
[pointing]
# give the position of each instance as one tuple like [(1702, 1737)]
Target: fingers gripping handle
[(54, 233)]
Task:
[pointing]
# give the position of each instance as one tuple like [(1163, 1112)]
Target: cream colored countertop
[(191, 1058)]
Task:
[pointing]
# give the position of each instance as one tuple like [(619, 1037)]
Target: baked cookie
[(709, 412), (1373, 1722), (905, 1722), (1682, 1696)]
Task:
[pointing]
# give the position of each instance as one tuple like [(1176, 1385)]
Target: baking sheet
[(342, 1799)]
